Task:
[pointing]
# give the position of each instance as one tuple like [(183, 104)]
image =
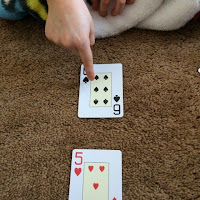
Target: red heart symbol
[(90, 168), (102, 168), (114, 199), (77, 171), (95, 185)]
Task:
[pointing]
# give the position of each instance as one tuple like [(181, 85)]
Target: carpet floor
[(159, 135)]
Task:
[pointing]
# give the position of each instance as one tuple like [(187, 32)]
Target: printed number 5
[(81, 158)]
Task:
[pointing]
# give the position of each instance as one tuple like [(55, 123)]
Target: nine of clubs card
[(96, 175), (103, 97)]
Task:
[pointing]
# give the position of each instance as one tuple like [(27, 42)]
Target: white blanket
[(162, 15)]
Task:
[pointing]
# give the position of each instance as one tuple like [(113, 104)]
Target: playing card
[(103, 97), (96, 175), (95, 181), (101, 85)]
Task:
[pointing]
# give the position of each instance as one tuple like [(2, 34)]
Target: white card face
[(96, 174), (103, 97), (101, 90), (95, 181)]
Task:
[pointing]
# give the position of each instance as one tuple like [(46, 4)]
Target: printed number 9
[(81, 158), (116, 108)]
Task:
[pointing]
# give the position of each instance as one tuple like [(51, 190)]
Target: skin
[(69, 25), (103, 5)]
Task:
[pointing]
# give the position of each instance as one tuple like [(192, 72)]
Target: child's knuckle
[(122, 2), (80, 43)]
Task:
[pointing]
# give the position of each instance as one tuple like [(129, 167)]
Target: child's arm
[(69, 24)]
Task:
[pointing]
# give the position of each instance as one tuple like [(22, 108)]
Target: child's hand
[(102, 6), (69, 24)]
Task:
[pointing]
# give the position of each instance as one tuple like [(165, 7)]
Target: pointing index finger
[(85, 53)]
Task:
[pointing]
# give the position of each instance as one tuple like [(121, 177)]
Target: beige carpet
[(159, 134)]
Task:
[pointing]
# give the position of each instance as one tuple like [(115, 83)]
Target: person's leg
[(17, 12)]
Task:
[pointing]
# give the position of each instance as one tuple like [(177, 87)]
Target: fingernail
[(113, 13), (91, 79), (103, 14)]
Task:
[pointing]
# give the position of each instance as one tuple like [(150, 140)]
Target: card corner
[(79, 115), (73, 150), (120, 152)]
